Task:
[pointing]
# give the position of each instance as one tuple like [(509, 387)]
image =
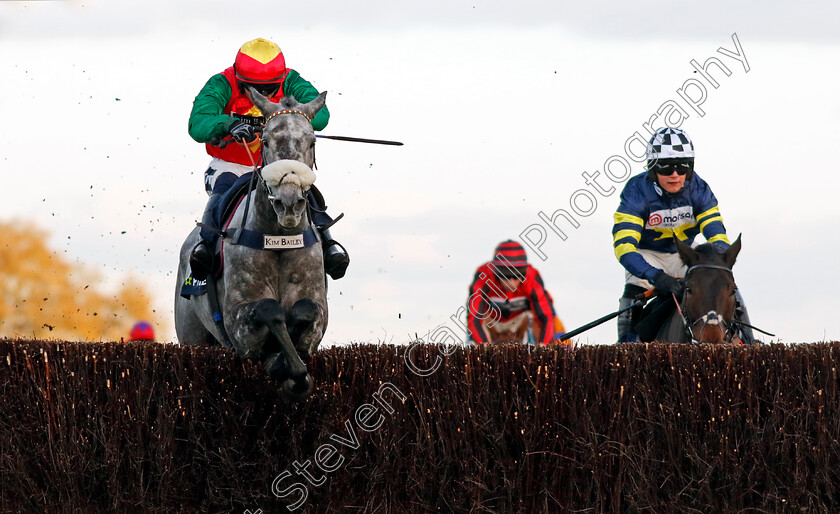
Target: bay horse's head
[(288, 154), (709, 300)]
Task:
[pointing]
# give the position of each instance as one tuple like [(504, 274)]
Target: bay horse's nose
[(713, 330)]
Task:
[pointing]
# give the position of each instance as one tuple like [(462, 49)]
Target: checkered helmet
[(669, 143)]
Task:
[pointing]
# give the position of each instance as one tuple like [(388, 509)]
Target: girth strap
[(216, 310), (212, 229)]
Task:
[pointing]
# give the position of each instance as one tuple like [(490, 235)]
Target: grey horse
[(273, 302)]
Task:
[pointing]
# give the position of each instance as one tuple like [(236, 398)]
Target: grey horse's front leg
[(285, 364), (306, 326)]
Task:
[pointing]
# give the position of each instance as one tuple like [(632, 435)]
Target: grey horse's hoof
[(297, 390)]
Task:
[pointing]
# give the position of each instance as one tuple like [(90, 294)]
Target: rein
[(727, 328), (257, 171), (236, 235), (730, 326)]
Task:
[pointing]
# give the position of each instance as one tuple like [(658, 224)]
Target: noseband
[(727, 329)]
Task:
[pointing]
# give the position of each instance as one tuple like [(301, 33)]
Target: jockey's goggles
[(267, 90), (512, 275), (668, 168)]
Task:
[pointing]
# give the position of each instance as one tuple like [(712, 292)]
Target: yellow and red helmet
[(260, 61)]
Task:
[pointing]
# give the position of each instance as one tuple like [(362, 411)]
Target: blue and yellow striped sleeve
[(711, 225), (709, 221), (627, 231)]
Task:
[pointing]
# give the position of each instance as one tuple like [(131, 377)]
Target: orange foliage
[(44, 296)]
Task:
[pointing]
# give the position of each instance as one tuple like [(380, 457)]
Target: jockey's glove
[(666, 284), (242, 131)]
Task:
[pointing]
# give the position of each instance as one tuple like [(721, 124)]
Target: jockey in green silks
[(223, 110)]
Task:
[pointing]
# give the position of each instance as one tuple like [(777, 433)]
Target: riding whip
[(224, 142), (361, 140), (640, 300)]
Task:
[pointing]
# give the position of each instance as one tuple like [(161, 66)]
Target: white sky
[(501, 109)]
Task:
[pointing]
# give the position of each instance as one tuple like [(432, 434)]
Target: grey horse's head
[(288, 133), (287, 182), (288, 154)]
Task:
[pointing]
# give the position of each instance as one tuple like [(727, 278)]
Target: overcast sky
[(502, 108)]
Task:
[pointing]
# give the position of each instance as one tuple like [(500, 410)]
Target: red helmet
[(142, 331), (510, 253), (260, 61)]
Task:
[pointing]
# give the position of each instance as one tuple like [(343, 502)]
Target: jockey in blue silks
[(668, 200)]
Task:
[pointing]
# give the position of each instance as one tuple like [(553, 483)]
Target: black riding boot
[(627, 320), (336, 258), (202, 256)]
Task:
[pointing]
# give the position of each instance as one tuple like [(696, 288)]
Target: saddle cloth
[(230, 198), (223, 210), (223, 214)]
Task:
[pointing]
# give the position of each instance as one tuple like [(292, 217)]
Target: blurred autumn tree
[(44, 296)]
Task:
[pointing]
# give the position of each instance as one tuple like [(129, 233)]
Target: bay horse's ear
[(732, 252), (688, 254), (266, 106), (312, 108)]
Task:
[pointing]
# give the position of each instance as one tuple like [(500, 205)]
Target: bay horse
[(706, 312), (513, 330), (522, 326), (272, 302)]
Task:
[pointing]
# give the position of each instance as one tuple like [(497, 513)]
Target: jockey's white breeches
[(670, 263), (218, 167)]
